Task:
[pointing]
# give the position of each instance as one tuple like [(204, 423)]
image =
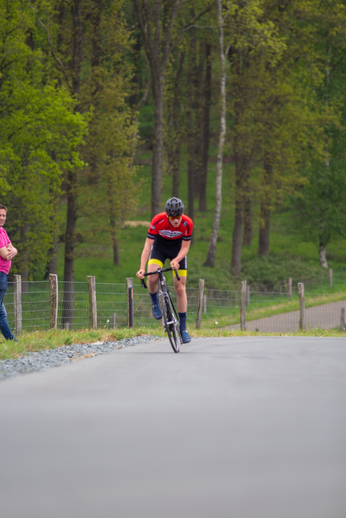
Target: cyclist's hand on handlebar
[(174, 265), (140, 274)]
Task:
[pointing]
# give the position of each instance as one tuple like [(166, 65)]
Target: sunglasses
[(172, 218)]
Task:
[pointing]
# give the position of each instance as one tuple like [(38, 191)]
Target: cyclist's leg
[(156, 260), (180, 290), (180, 286)]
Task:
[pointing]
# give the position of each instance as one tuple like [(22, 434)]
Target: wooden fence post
[(301, 305), (17, 296), (342, 320), (290, 287), (200, 303), (92, 301), (54, 300), (242, 305), (331, 277), (129, 292)]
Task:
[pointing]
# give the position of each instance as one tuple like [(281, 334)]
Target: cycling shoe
[(157, 311), (186, 337)]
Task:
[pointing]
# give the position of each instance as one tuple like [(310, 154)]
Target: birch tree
[(218, 205)]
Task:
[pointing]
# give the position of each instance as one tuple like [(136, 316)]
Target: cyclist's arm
[(185, 246), (146, 252)]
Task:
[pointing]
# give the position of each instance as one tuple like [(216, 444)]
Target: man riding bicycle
[(169, 237)]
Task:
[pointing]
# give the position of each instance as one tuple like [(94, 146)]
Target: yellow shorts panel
[(182, 273), (155, 261)]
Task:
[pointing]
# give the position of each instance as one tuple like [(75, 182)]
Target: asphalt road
[(230, 427)]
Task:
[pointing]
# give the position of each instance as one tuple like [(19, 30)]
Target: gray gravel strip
[(49, 358)]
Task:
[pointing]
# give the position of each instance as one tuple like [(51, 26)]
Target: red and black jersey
[(160, 226)]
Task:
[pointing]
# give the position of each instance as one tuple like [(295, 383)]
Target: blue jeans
[(4, 327)]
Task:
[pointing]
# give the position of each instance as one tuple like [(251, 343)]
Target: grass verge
[(39, 340)]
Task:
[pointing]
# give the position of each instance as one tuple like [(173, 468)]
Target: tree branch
[(51, 47)]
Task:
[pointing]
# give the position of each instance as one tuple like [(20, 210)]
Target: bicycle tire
[(171, 329)]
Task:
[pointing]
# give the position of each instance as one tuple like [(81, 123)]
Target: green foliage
[(39, 135), (272, 272)]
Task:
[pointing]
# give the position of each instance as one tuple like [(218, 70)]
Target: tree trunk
[(157, 26), (247, 238), (96, 46), (206, 133), (70, 243), (263, 243), (24, 257), (52, 264), (112, 221), (198, 85), (70, 238), (240, 167), (239, 217), (157, 147), (215, 230), (174, 147), (322, 253)]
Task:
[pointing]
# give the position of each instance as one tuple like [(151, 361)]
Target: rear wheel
[(171, 323)]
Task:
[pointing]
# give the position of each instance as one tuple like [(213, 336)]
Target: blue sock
[(154, 298), (182, 318)]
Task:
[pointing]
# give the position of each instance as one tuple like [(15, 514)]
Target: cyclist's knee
[(152, 279), (180, 290)]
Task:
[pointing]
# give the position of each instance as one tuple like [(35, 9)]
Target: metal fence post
[(247, 295), (204, 304), (301, 305), (129, 291), (243, 305), (114, 320), (17, 295), (290, 287), (342, 320), (331, 277), (54, 299), (200, 303), (92, 301)]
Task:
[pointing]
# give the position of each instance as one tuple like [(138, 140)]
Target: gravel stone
[(49, 358)]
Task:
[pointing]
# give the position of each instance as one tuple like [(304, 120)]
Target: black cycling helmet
[(174, 207)]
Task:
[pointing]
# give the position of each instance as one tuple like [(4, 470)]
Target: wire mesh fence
[(275, 312), (264, 311), (35, 305)]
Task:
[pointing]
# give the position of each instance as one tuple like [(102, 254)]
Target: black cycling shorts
[(162, 251)]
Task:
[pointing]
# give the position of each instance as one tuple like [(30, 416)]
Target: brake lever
[(177, 274), (143, 283)]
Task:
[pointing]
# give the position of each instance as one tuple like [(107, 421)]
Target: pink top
[(5, 266)]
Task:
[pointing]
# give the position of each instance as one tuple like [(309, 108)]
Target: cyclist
[(169, 237)]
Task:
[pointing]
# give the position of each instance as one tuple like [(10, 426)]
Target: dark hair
[(3, 207)]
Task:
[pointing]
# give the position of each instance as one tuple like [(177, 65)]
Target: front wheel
[(171, 324)]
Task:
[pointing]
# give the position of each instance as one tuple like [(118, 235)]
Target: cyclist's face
[(175, 220)]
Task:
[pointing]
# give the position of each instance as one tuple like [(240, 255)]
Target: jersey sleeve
[(152, 231), (188, 224)]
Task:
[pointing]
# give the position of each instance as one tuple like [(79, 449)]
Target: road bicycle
[(170, 315)]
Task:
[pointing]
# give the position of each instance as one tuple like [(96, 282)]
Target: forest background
[(109, 107)]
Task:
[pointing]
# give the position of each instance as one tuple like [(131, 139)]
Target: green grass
[(40, 340)]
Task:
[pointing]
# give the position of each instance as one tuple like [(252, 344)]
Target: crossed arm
[(8, 252)]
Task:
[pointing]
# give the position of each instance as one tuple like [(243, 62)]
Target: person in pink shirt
[(7, 253)]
